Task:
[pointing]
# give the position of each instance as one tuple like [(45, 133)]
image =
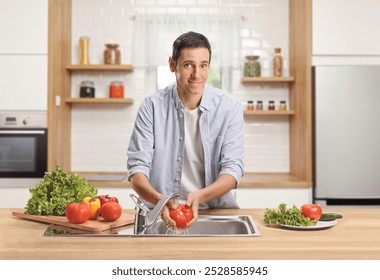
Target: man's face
[(192, 70)]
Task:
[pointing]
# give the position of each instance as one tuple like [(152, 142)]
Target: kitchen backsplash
[(100, 133)]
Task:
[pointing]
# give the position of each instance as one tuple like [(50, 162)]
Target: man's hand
[(165, 216), (193, 200)]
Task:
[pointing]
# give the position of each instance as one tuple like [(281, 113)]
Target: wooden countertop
[(356, 236)]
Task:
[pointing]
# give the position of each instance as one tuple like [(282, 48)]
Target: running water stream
[(177, 231)]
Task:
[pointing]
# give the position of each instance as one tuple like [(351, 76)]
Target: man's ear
[(171, 64)]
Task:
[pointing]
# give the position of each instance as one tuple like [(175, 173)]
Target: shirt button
[(181, 138), (178, 158), (180, 115), (176, 179)]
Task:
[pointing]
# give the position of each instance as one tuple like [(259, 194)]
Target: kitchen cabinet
[(26, 36), (14, 196), (345, 27), (23, 82), (14, 193), (258, 197), (23, 54), (255, 188), (299, 92)]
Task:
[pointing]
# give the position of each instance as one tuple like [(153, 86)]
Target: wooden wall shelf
[(100, 100), (249, 180), (267, 80), (269, 113), (100, 67), (272, 180)]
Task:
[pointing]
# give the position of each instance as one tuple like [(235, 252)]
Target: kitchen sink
[(211, 225), (207, 225)]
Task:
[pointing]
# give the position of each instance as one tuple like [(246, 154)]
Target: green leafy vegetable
[(52, 194), (284, 216)]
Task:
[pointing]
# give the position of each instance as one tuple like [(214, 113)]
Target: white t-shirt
[(193, 171)]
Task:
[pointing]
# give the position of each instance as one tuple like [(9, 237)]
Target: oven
[(23, 144)]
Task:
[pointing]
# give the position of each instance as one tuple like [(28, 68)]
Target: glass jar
[(252, 67), (250, 105), (87, 89), (259, 105), (84, 43), (271, 106), (111, 54), (277, 63), (116, 89), (282, 105)]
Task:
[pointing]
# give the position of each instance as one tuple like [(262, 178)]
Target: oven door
[(23, 153)]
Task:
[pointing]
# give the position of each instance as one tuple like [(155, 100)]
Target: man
[(188, 137)]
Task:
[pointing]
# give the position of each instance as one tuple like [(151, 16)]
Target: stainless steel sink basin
[(211, 226), (241, 225)]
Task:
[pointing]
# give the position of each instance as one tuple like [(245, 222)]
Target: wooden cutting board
[(90, 225)]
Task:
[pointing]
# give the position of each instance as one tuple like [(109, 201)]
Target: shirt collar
[(205, 101)]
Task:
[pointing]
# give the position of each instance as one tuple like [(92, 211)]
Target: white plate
[(319, 225)]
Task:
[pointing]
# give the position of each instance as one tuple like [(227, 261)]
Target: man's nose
[(196, 71)]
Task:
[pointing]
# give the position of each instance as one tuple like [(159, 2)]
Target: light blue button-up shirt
[(156, 147)]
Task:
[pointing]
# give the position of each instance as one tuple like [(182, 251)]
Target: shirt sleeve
[(141, 145), (233, 146)]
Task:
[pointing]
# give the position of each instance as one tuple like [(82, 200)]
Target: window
[(155, 34)]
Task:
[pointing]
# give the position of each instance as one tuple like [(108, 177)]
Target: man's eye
[(187, 65), (204, 65)]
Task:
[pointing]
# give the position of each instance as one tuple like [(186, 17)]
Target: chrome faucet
[(145, 218)]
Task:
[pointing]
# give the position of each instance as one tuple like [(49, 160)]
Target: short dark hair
[(190, 40)]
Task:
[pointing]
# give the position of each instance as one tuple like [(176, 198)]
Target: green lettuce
[(292, 216), (52, 194)]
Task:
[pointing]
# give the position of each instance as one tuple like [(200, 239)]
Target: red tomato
[(106, 198), (186, 209), (312, 211), (78, 213), (181, 215), (111, 211)]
